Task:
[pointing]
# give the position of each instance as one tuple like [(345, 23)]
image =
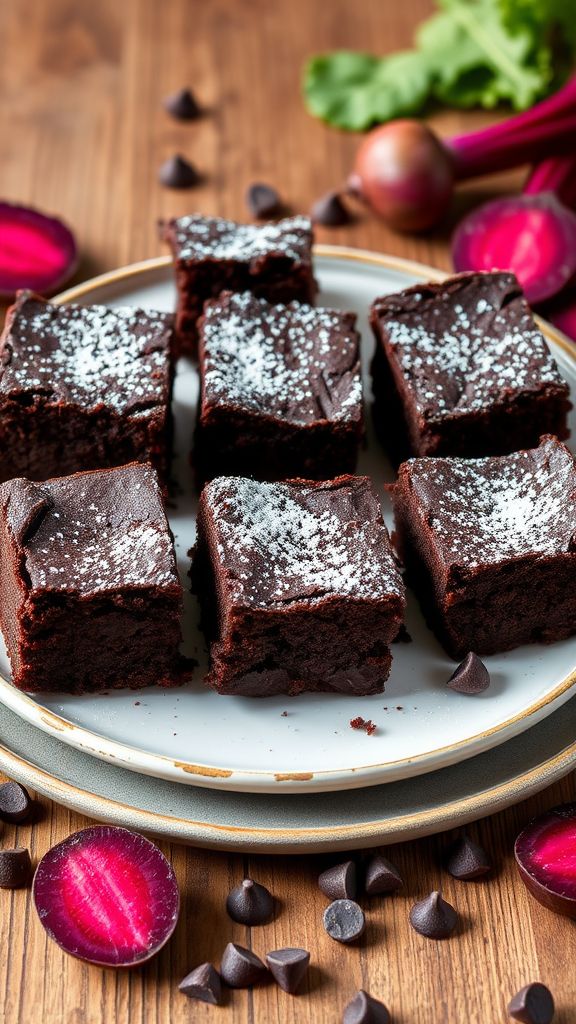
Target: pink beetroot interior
[(107, 895), (552, 856), (36, 251), (532, 235)]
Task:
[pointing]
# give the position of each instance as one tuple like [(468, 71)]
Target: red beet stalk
[(549, 126), (557, 175)]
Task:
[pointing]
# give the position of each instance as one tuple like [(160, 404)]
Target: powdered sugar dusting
[(91, 355), (290, 542), (103, 531), (198, 237), (467, 343), (491, 509), (297, 361)]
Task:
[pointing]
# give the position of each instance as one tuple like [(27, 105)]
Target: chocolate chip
[(240, 967), (466, 859), (330, 211), (182, 105), (533, 1004), (364, 1009), (263, 200), (15, 868), (339, 882), (288, 967), (15, 802), (381, 876), (471, 676), (250, 903), (176, 172), (203, 983), (344, 921), (433, 917)]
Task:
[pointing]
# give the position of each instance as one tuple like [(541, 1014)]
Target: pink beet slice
[(532, 235), (545, 854), (107, 895), (36, 251)]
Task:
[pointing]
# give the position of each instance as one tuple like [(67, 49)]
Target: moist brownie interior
[(461, 369), (298, 586), (490, 546), (90, 597), (281, 392)]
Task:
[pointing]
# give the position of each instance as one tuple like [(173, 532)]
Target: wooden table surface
[(83, 133)]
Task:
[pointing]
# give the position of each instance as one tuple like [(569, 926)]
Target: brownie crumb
[(363, 723)]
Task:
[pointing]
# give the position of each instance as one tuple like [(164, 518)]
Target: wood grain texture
[(83, 133)]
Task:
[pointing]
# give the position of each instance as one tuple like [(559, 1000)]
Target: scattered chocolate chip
[(339, 882), (364, 1009), (381, 876), (467, 860), (203, 983), (15, 868), (263, 200), (15, 802), (182, 105), (250, 903), (533, 1004), (240, 967), (471, 676), (330, 211), (288, 967), (344, 921), (433, 917), (176, 172)]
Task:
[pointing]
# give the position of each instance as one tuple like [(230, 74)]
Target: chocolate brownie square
[(462, 369), (490, 546), (280, 387), (298, 586), (212, 255), (90, 597), (83, 387)]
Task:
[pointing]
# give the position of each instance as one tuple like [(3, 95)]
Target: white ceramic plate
[(193, 735), (309, 823)]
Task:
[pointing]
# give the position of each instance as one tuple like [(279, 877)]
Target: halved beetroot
[(545, 854), (107, 895), (36, 251), (532, 235)]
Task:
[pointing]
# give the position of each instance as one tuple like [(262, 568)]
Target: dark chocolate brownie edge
[(290, 649), (493, 609)]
